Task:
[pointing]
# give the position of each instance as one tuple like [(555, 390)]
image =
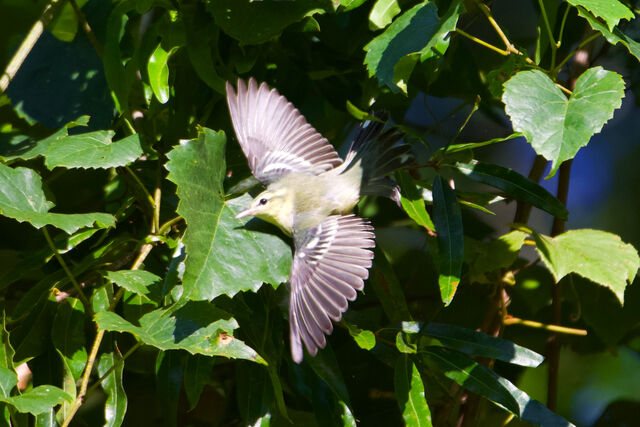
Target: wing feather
[(274, 136), (330, 265)]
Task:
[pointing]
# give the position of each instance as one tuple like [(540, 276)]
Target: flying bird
[(310, 195)]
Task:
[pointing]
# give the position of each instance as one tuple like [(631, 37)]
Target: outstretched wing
[(330, 264), (274, 135)]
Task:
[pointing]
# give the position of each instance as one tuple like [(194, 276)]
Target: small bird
[(310, 194)]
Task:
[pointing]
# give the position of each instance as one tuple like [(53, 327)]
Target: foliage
[(122, 263)]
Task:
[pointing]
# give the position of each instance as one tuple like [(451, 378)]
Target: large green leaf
[(254, 392), (596, 255), (38, 400), (612, 11), (418, 34), (413, 202), (410, 393), (25, 147), (515, 185), (448, 221), (224, 256), (92, 150), (8, 380), (197, 327), (555, 126), (479, 344), (22, 198), (136, 281), (483, 381), (116, 405), (614, 36), (258, 22), (197, 374), (382, 13)]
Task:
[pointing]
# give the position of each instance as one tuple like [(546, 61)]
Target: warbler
[(310, 194)]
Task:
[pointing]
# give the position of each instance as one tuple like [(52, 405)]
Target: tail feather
[(378, 152)]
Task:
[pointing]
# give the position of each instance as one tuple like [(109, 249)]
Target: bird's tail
[(378, 152)]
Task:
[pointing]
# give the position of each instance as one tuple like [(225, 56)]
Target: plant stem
[(586, 41), (564, 20), (65, 267), (87, 28), (523, 209), (142, 187), (538, 325), (482, 42), (164, 228), (115, 365), (553, 345), (28, 43), (487, 13), (144, 252), (552, 41), (564, 89)]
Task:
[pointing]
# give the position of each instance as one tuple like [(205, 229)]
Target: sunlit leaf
[(611, 11), (92, 150), (38, 399), (224, 255), (197, 327), (410, 393), (22, 198), (614, 36), (593, 254), (158, 69), (382, 13), (555, 126)]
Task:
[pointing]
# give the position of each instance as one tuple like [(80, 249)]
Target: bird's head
[(274, 206)]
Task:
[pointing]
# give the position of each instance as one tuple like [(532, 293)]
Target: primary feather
[(310, 194)]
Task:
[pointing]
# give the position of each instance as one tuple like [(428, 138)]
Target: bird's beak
[(246, 212)]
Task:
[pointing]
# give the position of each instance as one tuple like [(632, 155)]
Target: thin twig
[(574, 51), (482, 42), (487, 13), (552, 42), (538, 325), (115, 365), (28, 43), (87, 28), (67, 270)]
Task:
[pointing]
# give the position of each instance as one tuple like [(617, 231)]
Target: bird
[(310, 195)]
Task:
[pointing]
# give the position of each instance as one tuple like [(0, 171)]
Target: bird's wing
[(330, 264), (274, 135)]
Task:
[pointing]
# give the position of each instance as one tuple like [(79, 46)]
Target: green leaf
[(413, 202), (199, 30), (326, 367), (596, 255), (26, 148), (197, 374), (417, 32), (410, 393), (258, 22), (136, 281), (92, 150), (254, 392), (382, 13), (483, 381), (448, 222), (556, 127), (455, 148), (39, 399), (6, 351), (67, 335), (403, 346), (494, 255), (118, 77), (197, 327), (217, 244), (479, 344), (612, 11), (158, 69), (115, 407), (614, 37), (364, 338), (22, 198), (8, 380), (169, 378), (515, 185)]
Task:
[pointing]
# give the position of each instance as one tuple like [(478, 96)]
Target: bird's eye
[(263, 201)]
